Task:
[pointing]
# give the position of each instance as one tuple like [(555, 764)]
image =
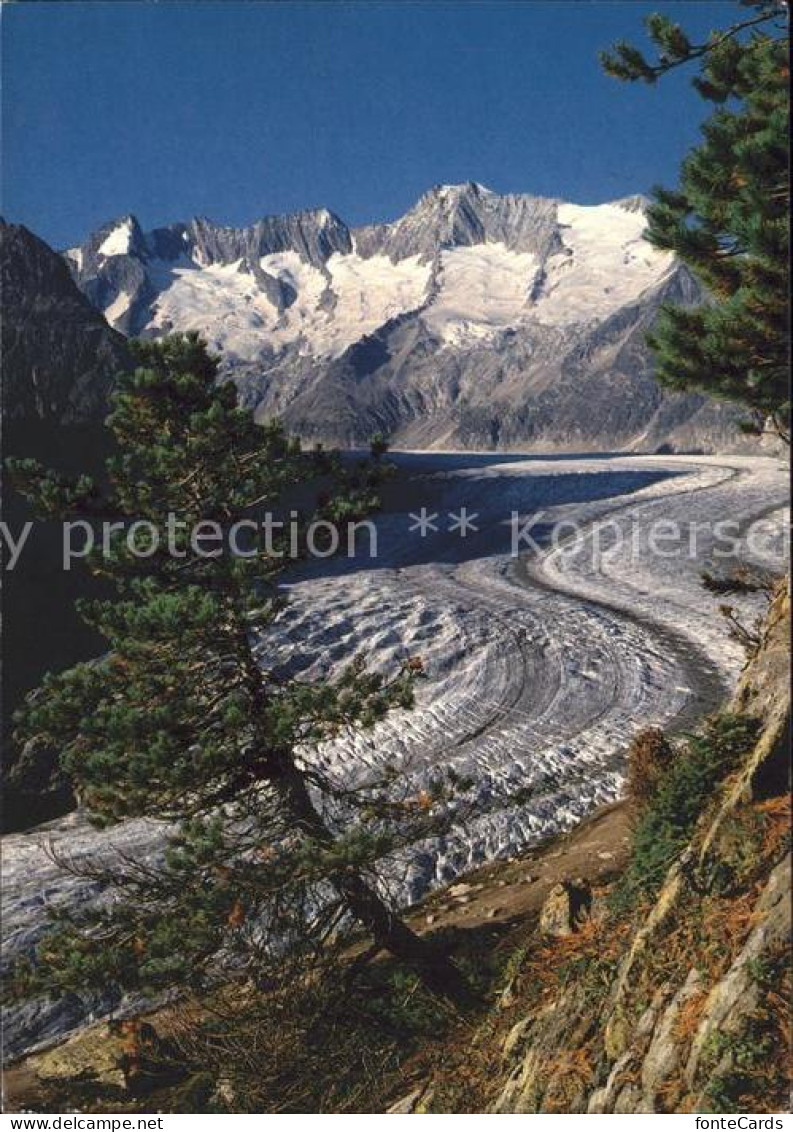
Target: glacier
[(540, 666)]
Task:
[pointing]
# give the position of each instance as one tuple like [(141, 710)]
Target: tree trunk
[(435, 969), (438, 973)]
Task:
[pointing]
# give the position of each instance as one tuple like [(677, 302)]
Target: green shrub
[(680, 797)]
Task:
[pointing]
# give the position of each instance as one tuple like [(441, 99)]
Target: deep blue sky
[(237, 109)]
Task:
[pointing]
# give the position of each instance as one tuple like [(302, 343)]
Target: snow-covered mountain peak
[(464, 270), (120, 240), (122, 236), (449, 216), (454, 195), (636, 203)]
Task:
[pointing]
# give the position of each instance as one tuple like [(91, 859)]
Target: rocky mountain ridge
[(476, 320)]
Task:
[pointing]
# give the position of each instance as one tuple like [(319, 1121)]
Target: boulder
[(462, 889), (116, 1054), (565, 908)]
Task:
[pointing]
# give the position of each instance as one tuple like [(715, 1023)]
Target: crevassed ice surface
[(481, 289), (606, 263), (331, 310), (540, 667)]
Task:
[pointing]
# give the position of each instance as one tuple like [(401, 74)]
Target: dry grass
[(776, 813), (689, 1017), (569, 1073)]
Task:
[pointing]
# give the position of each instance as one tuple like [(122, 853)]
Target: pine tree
[(728, 219), (184, 718)]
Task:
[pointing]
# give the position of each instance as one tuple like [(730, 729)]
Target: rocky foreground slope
[(475, 320), (674, 1003), (694, 1017)]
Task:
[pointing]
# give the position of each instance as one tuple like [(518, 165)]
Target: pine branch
[(628, 64)]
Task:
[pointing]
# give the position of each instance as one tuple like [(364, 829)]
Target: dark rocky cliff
[(59, 354), (59, 358)]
